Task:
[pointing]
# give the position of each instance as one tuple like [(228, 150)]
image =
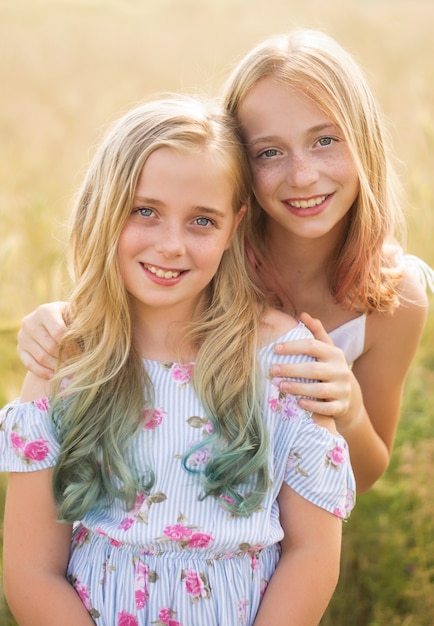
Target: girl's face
[(304, 176), (181, 223)]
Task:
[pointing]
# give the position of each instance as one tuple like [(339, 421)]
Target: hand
[(332, 382), (38, 339)]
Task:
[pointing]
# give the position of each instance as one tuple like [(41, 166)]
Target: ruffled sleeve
[(27, 441), (318, 468)]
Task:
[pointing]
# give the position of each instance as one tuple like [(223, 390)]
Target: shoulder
[(275, 324), (416, 277), (404, 325)]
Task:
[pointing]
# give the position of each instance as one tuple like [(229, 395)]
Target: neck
[(300, 265), (160, 335)]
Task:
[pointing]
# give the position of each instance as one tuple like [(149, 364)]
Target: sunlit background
[(69, 68)]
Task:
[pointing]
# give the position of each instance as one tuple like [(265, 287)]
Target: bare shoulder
[(407, 319), (275, 323), (34, 388), (411, 290)]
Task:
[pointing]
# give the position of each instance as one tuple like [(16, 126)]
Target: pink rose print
[(182, 373), (177, 532), (344, 511), (113, 542), (200, 457), (153, 418), (17, 442), (200, 540), (209, 428), (196, 585), (36, 450), (263, 587), (165, 616), (288, 407), (42, 404), (81, 536), (187, 537), (273, 404), (127, 522), (84, 593), (141, 592), (30, 451), (126, 619), (336, 457)]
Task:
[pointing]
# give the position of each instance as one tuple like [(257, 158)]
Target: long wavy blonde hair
[(102, 407), (362, 273)]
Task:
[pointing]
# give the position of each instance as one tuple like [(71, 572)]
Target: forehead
[(196, 175), (272, 103)]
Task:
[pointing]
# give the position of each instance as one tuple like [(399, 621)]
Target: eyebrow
[(159, 203), (312, 130)]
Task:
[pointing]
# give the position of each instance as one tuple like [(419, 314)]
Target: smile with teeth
[(307, 204), (162, 273)]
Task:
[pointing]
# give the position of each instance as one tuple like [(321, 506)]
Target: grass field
[(69, 68)]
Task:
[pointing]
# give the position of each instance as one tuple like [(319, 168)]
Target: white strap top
[(350, 337)]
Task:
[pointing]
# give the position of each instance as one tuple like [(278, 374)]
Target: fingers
[(38, 339), (32, 365), (316, 328)]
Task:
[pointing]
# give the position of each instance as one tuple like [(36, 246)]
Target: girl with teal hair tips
[(324, 240), (161, 477)]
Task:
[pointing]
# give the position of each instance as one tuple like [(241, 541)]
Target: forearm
[(368, 452), (299, 590), (45, 600)]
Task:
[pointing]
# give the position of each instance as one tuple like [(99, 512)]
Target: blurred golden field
[(67, 68)]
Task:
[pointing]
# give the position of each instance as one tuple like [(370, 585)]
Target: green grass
[(68, 67)]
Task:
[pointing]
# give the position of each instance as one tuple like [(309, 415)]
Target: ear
[(237, 221)]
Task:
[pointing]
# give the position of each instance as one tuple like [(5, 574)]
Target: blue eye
[(203, 221), (269, 152), (325, 141), (145, 211)]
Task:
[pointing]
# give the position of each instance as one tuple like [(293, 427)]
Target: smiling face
[(303, 173), (181, 223)]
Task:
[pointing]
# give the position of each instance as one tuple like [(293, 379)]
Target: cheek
[(264, 180)]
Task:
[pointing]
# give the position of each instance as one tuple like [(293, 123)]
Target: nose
[(171, 243), (301, 170)]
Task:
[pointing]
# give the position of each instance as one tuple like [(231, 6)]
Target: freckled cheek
[(266, 180)]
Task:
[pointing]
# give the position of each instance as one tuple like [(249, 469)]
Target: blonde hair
[(361, 273), (102, 408)]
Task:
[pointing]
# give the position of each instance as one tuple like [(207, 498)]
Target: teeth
[(306, 204), (161, 273)]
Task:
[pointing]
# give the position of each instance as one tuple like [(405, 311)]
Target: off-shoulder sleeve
[(27, 441), (318, 468)]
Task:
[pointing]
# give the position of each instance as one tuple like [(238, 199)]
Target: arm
[(308, 570), (38, 339), (36, 550), (364, 401), (36, 546)]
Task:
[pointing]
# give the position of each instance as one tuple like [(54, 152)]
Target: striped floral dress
[(176, 559)]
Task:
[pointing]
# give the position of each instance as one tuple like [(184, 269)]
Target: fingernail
[(278, 347), (275, 370)]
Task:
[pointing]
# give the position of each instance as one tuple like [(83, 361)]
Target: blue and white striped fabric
[(174, 559)]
